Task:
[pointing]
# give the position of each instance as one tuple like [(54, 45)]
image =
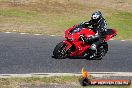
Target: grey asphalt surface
[(21, 54)]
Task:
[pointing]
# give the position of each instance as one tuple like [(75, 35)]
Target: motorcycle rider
[(99, 27)]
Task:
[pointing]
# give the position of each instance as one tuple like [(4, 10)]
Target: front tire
[(60, 51)]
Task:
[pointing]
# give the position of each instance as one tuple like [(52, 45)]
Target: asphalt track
[(21, 54)]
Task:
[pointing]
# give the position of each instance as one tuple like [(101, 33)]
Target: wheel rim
[(102, 50), (62, 52), (102, 53)]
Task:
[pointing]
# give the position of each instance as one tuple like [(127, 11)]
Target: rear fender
[(68, 44), (109, 36)]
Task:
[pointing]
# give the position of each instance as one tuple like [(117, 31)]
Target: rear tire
[(102, 50), (60, 51)]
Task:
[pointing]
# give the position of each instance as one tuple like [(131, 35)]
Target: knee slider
[(93, 47)]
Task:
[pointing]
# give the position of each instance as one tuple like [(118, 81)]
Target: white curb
[(94, 74), (107, 74)]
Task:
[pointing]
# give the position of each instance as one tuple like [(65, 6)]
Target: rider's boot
[(93, 50)]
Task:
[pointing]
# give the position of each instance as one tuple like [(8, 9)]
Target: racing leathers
[(100, 29)]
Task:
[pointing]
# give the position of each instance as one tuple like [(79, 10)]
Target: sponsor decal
[(85, 81)]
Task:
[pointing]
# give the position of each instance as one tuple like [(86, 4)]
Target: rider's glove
[(86, 23), (90, 38)]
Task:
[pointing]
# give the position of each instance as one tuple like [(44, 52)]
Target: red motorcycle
[(74, 45)]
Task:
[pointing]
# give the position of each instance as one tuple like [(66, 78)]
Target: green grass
[(16, 13), (17, 82), (122, 22), (35, 81), (55, 17)]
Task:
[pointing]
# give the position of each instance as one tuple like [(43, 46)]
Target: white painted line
[(107, 74), (111, 39), (37, 34), (23, 33), (95, 74), (7, 32), (52, 35), (123, 40)]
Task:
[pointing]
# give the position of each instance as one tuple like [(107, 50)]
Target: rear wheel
[(60, 51), (102, 50)]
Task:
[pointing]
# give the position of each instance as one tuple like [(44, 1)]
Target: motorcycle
[(74, 45)]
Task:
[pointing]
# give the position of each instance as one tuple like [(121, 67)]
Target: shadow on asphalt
[(78, 58)]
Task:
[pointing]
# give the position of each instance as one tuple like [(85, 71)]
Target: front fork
[(68, 45)]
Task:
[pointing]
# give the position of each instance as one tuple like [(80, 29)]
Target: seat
[(109, 31)]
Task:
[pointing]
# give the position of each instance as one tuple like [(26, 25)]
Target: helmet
[(96, 16)]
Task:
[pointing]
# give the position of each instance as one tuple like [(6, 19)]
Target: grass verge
[(37, 81), (73, 81), (55, 16)]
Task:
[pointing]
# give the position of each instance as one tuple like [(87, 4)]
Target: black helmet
[(96, 16)]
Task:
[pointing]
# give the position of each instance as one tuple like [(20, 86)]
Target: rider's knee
[(93, 47)]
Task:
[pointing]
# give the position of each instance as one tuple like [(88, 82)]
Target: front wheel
[(60, 51)]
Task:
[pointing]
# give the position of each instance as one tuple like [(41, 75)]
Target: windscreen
[(77, 28)]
